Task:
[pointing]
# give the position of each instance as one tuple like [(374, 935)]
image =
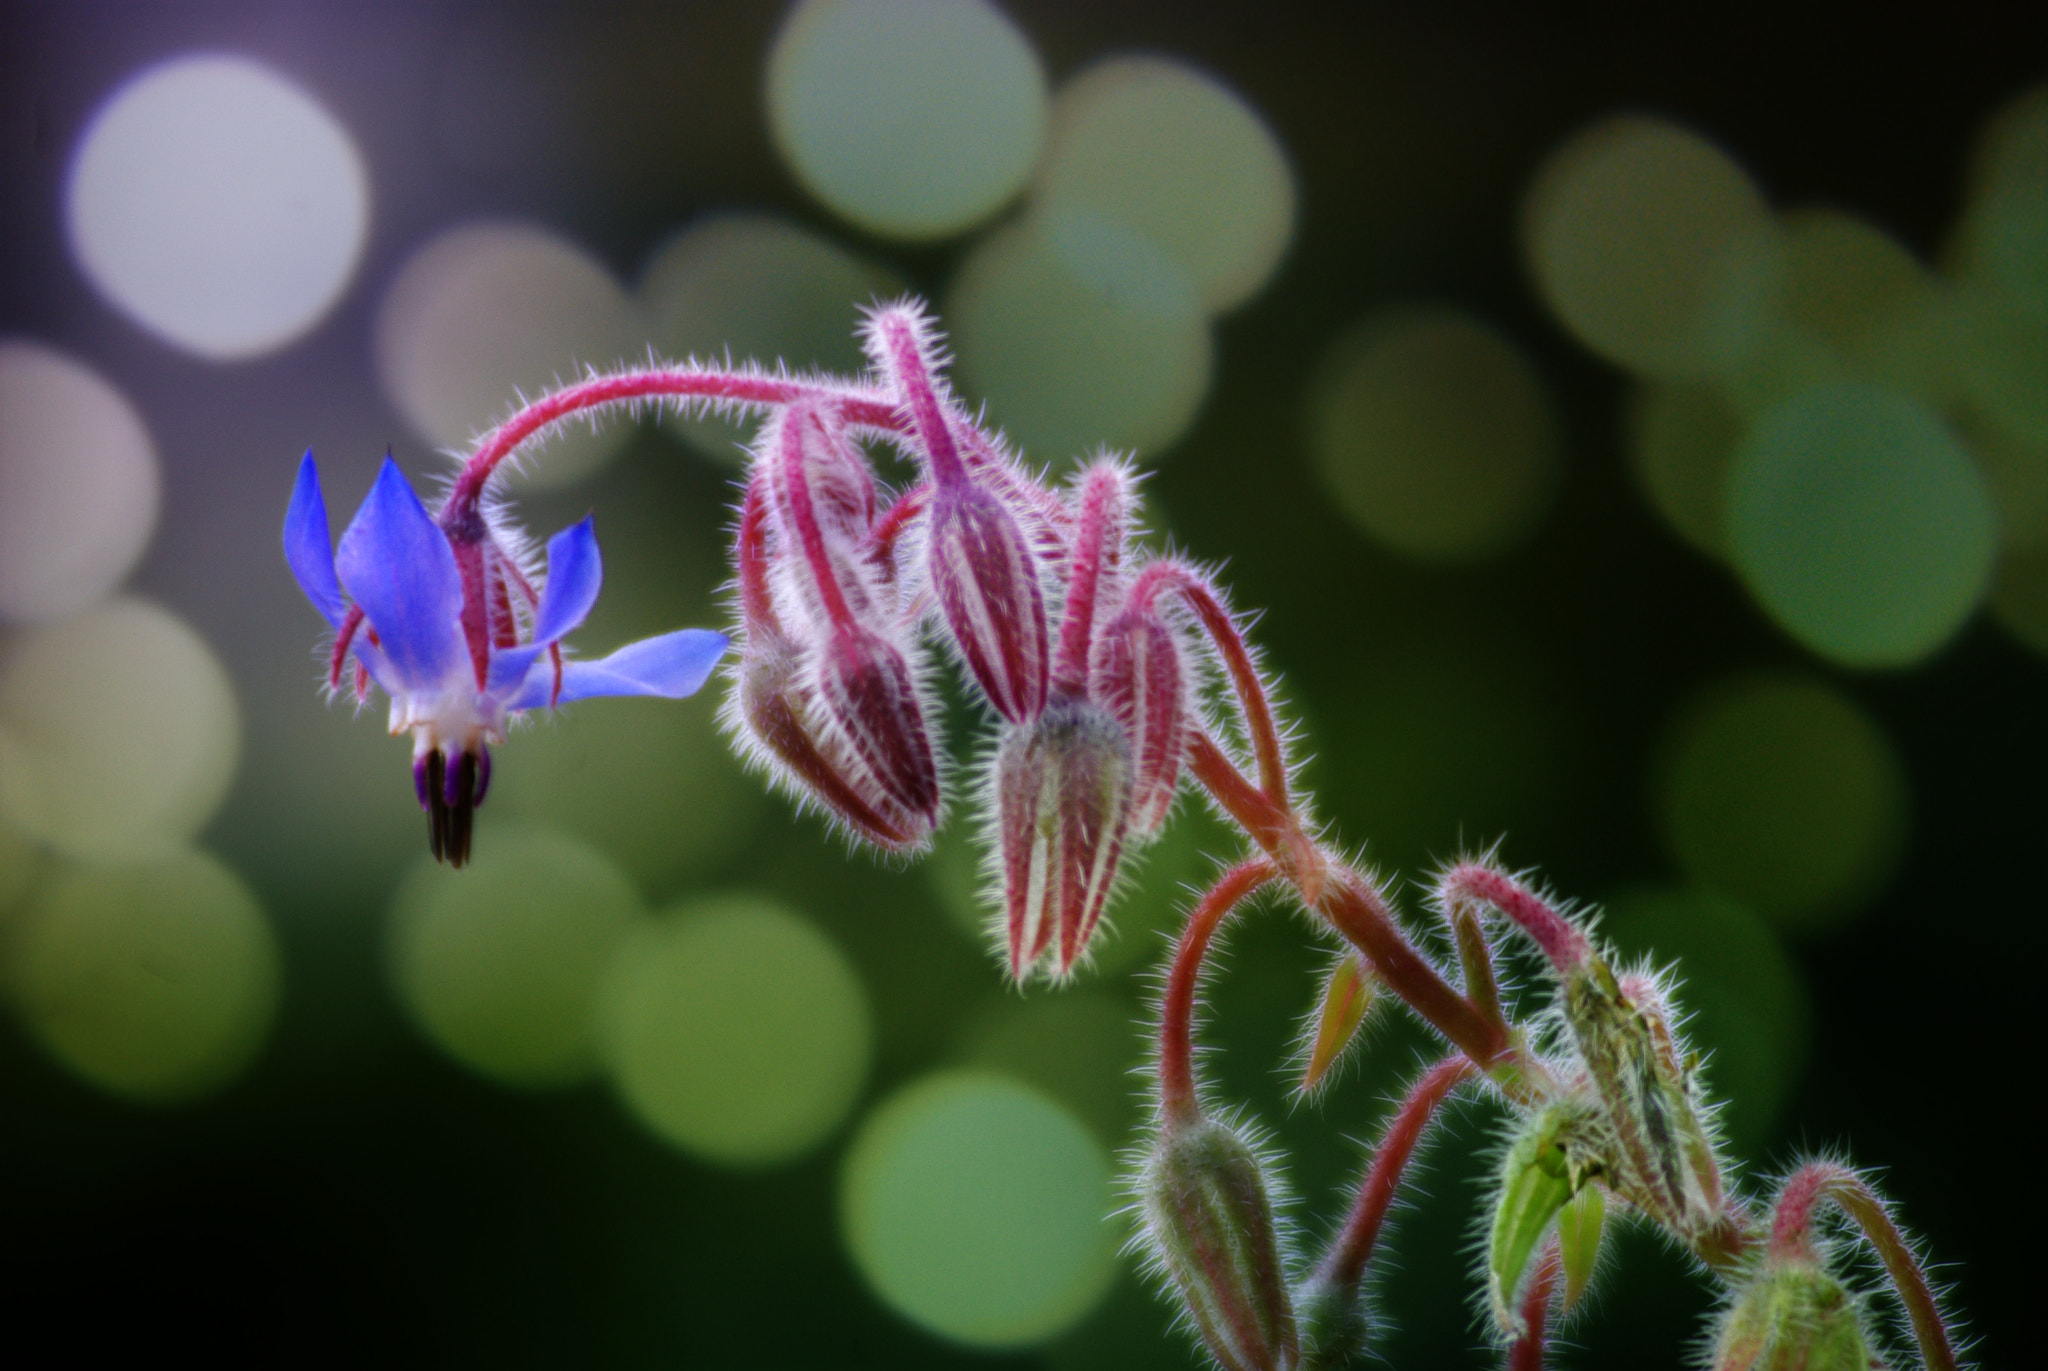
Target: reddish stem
[(1798, 1205), (1527, 1353), (1344, 1265), (1358, 912), (927, 415), (1098, 537), (1253, 704), (823, 573), (1177, 1009), (859, 406), (881, 544), (1563, 944)]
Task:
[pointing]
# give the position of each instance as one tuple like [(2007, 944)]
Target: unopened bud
[(869, 694), (1208, 1212), (1136, 673), (1347, 995), (1793, 1316), (1663, 1158), (1546, 1165), (776, 714), (1062, 806), (986, 579)]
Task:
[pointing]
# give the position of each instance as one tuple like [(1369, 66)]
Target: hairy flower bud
[(1208, 1213), (1546, 1164), (774, 713), (1793, 1316), (1136, 673), (822, 492), (987, 584), (1062, 807), (1664, 1159), (867, 691)]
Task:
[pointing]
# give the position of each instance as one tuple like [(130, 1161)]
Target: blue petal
[(671, 666), (397, 564), (575, 572), (308, 547)]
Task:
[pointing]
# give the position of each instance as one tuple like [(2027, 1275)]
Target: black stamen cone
[(451, 806)]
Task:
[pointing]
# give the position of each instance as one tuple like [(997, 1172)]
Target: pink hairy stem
[(1819, 1183), (1344, 1264), (1527, 1353), (860, 406), (809, 534), (927, 415), (1352, 907), (1562, 943), (897, 518), (1252, 701), (1177, 1008), (1098, 536)]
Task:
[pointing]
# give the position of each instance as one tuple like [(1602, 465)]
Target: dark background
[(358, 1199)]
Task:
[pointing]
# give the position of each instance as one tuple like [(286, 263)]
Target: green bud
[(1578, 1236), (1546, 1165), (1792, 1317), (1205, 1200), (1347, 997), (1662, 1156)]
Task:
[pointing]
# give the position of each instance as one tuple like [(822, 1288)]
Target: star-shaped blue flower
[(438, 613)]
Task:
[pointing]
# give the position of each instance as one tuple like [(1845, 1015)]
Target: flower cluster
[(1112, 678), (1059, 628)]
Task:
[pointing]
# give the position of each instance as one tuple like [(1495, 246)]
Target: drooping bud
[(1545, 1166), (1207, 1210), (866, 690), (822, 492), (1062, 808), (1347, 995), (775, 713), (986, 579), (1663, 1157), (1793, 1316), (1136, 673)]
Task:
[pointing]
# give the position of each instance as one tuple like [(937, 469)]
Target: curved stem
[(859, 406), (1177, 1008), (1253, 705), (1819, 1183), (1561, 942), (1098, 537), (1343, 1266)]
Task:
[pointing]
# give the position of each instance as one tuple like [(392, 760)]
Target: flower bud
[(774, 713), (822, 494), (1793, 1316), (1205, 1200), (1663, 1158), (1062, 807), (987, 584), (1136, 673), (868, 693), (1347, 996), (1546, 1164)]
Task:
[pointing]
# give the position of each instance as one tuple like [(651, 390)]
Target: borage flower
[(438, 613)]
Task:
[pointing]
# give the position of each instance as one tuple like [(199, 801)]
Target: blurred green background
[(1632, 434)]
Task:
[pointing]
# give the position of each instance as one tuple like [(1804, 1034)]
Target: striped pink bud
[(986, 580), (1062, 799), (868, 693), (777, 715), (1136, 674)]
